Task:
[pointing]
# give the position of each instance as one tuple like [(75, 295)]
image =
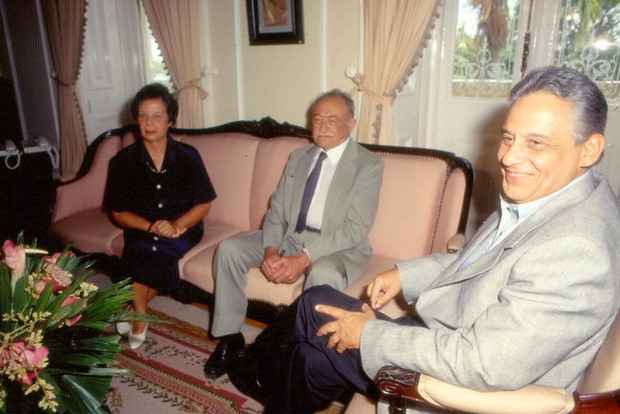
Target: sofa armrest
[(76, 196), (456, 243), (402, 388), (87, 192)]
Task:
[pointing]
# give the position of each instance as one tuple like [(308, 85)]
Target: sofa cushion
[(196, 266), (271, 158), (360, 404), (229, 160), (259, 288), (377, 265), (90, 231), (409, 205), (199, 271)]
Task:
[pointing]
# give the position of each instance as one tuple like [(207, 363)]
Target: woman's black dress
[(136, 186)]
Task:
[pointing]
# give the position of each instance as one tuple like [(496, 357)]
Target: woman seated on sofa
[(158, 191)]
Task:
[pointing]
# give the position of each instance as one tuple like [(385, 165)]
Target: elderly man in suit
[(530, 298), (317, 224)]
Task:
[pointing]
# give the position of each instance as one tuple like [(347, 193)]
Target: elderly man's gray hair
[(573, 86), (335, 93)]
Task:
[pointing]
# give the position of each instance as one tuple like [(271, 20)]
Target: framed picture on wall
[(275, 21)]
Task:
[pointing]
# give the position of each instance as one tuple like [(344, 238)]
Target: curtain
[(176, 26), (395, 34), (65, 21)]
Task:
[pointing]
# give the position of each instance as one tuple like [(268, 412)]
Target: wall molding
[(324, 27), (239, 60)]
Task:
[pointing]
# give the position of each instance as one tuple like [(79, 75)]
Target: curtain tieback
[(358, 80), (195, 83), (382, 99), (60, 81)]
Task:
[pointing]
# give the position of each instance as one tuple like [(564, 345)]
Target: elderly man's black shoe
[(242, 370), (215, 366)]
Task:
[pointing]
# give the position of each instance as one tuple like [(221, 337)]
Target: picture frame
[(275, 22)]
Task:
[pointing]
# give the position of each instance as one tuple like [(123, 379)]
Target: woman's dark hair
[(154, 91)]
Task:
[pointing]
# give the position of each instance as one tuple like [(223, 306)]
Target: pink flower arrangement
[(54, 275), (39, 330), (70, 300), (23, 361), (15, 258)]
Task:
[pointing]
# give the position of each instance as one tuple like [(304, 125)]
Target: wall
[(250, 82)]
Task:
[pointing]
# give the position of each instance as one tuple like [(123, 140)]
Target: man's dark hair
[(573, 86), (154, 91), (335, 93)]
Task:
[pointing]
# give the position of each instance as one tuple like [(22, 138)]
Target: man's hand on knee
[(291, 268), (384, 288), (346, 331), (269, 266)]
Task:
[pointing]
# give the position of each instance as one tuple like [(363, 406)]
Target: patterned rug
[(167, 377)]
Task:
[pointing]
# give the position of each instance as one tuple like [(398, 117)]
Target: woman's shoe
[(136, 340), (122, 328)]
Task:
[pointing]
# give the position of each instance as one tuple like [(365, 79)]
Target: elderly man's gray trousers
[(235, 256)]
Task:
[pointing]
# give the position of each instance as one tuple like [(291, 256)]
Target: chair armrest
[(604, 402), (402, 389), (399, 388), (456, 243)]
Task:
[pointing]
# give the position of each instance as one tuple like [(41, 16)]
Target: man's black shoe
[(242, 370), (215, 366)]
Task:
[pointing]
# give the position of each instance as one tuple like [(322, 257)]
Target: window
[(485, 45), (155, 68), (590, 41)]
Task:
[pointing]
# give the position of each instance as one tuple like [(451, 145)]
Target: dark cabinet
[(27, 197)]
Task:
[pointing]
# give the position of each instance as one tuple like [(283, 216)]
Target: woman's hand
[(165, 228)]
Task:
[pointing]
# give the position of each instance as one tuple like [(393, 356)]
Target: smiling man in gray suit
[(530, 298), (317, 224)]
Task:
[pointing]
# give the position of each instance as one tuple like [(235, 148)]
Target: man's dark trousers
[(317, 374)]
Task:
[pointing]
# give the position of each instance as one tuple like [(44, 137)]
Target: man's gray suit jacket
[(533, 309), (350, 207)]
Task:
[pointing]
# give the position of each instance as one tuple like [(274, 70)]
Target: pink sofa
[(423, 202)]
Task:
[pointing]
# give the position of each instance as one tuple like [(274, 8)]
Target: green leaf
[(98, 372), (5, 294), (21, 298), (41, 303), (66, 312), (97, 340), (89, 392), (108, 343), (98, 325), (89, 359)]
